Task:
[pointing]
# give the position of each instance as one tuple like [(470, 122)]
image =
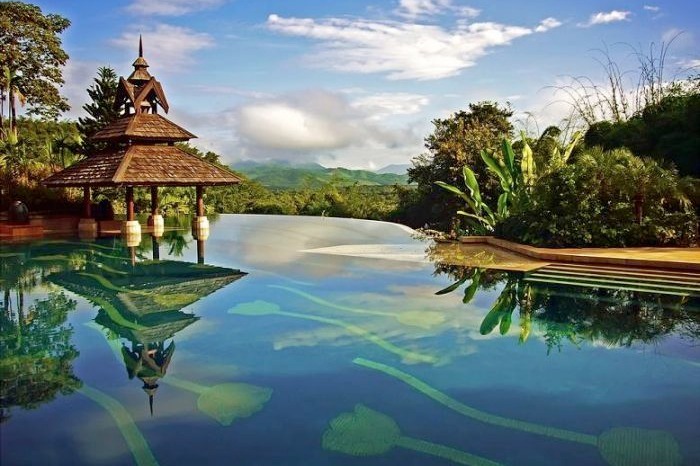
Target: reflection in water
[(474, 395), (139, 303), (614, 317), (264, 308), (418, 318), (142, 305), (36, 352)]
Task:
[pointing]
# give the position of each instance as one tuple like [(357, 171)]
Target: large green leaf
[(452, 189), (484, 221), (452, 287), (570, 148), (490, 321), (489, 213), (505, 323), (508, 156), (493, 165), (503, 205), (471, 183), (471, 290)]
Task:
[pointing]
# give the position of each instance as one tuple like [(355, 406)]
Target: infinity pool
[(316, 341)]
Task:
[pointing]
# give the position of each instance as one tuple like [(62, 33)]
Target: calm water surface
[(266, 353)]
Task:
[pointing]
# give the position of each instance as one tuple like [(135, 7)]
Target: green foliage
[(41, 148), (666, 131), (36, 351), (454, 143), (30, 47), (100, 109), (313, 176), (515, 178), (605, 198)]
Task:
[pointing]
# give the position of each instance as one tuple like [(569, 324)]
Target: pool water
[(259, 347)]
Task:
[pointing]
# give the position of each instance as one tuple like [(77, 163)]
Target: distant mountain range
[(289, 175), (397, 168)]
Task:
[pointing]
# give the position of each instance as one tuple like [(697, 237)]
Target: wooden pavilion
[(140, 151)]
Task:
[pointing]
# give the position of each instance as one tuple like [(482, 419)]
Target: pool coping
[(644, 257)]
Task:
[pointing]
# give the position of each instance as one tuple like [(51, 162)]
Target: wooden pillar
[(129, 203), (200, 201), (200, 251), (154, 200), (155, 248), (87, 202)]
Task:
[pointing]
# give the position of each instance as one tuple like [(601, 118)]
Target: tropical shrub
[(605, 198)]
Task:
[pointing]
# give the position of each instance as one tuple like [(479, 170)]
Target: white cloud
[(309, 121), (652, 8), (413, 9), (401, 50), (387, 104), (166, 47), (547, 24), (690, 64), (327, 127), (171, 7), (606, 18)]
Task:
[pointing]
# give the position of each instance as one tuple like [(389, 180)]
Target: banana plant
[(475, 276), (480, 211), (516, 182)]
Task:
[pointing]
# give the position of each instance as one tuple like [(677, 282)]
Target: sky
[(356, 83)]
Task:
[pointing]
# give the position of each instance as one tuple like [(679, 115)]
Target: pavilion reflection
[(141, 302)]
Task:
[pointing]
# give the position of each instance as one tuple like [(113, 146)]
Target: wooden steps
[(625, 278)]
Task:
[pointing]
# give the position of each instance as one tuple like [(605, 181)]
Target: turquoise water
[(257, 350)]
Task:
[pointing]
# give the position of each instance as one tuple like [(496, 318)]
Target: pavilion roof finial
[(140, 74)]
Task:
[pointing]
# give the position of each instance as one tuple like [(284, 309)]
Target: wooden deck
[(661, 258)]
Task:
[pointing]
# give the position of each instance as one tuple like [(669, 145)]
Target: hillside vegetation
[(286, 176)]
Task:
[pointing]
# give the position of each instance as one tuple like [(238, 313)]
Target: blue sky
[(356, 83)]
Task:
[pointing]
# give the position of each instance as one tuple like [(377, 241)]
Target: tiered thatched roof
[(143, 165), (141, 149)]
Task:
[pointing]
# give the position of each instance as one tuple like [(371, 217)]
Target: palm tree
[(13, 83), (647, 179)]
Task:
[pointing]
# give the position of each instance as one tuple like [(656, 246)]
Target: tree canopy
[(668, 131), (456, 141), (100, 109), (30, 49)]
